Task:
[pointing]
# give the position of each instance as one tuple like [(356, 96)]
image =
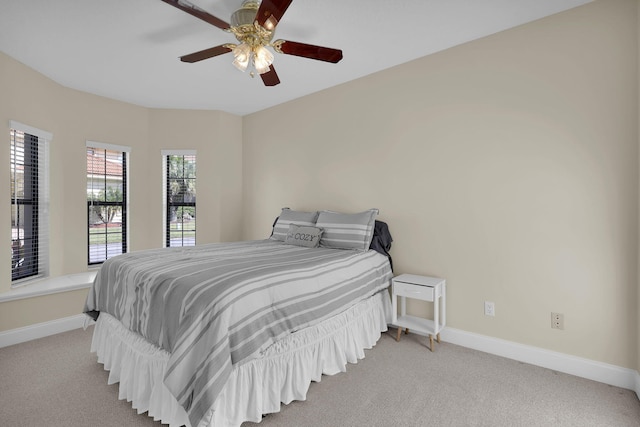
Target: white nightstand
[(423, 288)]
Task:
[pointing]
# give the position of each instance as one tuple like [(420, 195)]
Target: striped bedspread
[(214, 306)]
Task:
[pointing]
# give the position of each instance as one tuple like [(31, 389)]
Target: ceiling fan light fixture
[(262, 59), (253, 38), (242, 56)]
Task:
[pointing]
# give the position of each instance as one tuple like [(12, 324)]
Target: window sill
[(50, 285)]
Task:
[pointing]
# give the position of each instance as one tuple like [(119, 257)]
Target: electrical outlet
[(557, 321), (489, 308)]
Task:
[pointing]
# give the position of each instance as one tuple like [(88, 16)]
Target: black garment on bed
[(382, 239)]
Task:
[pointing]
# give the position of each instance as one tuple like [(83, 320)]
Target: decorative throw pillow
[(347, 231), (301, 235), (288, 217)]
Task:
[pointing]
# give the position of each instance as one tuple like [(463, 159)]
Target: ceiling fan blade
[(308, 51), (270, 12), (270, 78), (205, 54), (194, 10)]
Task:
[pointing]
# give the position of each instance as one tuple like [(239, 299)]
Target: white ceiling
[(128, 49)]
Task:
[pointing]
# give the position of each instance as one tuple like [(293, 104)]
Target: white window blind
[(29, 173), (179, 197), (107, 201)]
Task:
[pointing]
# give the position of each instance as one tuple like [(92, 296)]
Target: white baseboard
[(41, 330), (580, 367)]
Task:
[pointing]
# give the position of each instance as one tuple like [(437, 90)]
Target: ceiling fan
[(254, 25)]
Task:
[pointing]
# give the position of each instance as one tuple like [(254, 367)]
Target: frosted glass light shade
[(242, 55), (262, 59)]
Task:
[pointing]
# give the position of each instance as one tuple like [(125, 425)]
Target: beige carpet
[(55, 381)]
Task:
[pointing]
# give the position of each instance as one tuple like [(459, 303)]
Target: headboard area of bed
[(381, 241)]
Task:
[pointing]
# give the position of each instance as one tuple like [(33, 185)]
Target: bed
[(219, 334)]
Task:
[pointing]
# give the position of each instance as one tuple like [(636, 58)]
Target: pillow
[(288, 217), (301, 235), (347, 231)]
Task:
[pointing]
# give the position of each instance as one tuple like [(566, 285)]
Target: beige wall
[(508, 166), (73, 117)]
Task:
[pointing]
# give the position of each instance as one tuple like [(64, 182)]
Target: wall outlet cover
[(489, 308), (557, 321)]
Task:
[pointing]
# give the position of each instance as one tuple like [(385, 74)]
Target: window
[(180, 198), (29, 202), (106, 201)]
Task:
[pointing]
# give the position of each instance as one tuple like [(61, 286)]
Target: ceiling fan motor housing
[(246, 14), (245, 28)]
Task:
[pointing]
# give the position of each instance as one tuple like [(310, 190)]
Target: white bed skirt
[(282, 374)]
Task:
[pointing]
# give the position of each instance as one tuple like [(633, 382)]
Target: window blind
[(29, 174)]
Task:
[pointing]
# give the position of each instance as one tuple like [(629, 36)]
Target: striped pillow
[(347, 231), (288, 217)]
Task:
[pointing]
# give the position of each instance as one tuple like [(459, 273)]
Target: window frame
[(123, 204), (168, 205)]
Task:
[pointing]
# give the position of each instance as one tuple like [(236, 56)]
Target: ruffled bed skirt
[(283, 373)]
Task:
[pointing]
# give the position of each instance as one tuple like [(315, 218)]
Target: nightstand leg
[(438, 338), (399, 332), (406, 331), (431, 342)]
